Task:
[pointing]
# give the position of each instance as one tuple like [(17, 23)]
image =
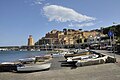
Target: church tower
[(30, 41)]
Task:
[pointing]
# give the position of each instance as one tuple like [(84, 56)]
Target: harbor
[(105, 71), (59, 40)]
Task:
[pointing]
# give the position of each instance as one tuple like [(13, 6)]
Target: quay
[(109, 71)]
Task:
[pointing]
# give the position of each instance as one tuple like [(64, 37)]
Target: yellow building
[(67, 36), (30, 41), (87, 34)]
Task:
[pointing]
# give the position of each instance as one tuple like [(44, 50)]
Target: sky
[(21, 18)]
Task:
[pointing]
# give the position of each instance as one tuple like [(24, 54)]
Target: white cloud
[(81, 25), (63, 14), (38, 2)]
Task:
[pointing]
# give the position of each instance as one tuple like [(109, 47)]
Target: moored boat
[(36, 58), (7, 63), (8, 66), (27, 60), (76, 58), (91, 61), (33, 67), (77, 54)]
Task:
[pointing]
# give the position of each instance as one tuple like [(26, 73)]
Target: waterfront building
[(68, 37)]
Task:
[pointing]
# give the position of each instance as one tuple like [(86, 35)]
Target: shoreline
[(108, 71)]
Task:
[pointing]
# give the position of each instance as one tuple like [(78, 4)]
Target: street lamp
[(111, 34), (114, 24)]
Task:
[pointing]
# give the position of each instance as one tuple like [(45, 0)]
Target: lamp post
[(114, 46), (114, 41), (111, 34)]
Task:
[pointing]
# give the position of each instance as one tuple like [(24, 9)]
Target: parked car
[(110, 48)]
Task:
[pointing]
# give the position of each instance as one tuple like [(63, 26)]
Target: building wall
[(69, 36), (86, 34)]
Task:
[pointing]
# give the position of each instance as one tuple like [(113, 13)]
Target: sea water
[(8, 56)]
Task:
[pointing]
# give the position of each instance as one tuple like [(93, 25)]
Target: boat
[(76, 58), (77, 54), (91, 61), (35, 59), (27, 60), (42, 58), (33, 67), (7, 63), (8, 66)]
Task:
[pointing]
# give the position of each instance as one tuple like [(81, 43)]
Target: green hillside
[(115, 29)]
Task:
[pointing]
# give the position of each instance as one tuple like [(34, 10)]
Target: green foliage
[(115, 29)]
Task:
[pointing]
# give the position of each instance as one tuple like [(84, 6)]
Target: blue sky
[(21, 18)]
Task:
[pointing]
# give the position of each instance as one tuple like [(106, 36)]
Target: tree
[(64, 30), (115, 29), (80, 29)]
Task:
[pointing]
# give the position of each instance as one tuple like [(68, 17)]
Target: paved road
[(56, 63)]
